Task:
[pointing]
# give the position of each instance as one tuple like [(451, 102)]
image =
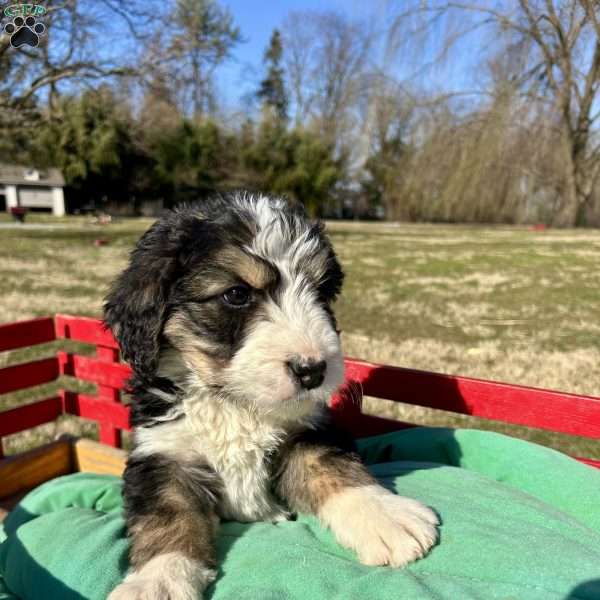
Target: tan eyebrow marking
[(251, 269)]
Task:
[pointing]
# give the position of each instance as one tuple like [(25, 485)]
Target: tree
[(193, 160), (326, 56), (388, 116), (296, 163), (33, 79), (314, 174), (555, 50), (383, 172), (202, 36), (272, 90), (90, 140)]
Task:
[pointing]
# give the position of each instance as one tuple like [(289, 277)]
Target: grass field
[(499, 303)]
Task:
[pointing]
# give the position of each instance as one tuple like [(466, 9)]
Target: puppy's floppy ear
[(135, 308), (331, 282)]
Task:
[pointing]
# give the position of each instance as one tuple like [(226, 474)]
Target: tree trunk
[(574, 201), (197, 88), (567, 213), (570, 211)]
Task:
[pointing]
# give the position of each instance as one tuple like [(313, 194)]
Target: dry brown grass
[(497, 303)]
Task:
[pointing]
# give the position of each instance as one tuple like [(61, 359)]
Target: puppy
[(225, 315)]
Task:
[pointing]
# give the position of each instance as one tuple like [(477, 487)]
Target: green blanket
[(519, 522)]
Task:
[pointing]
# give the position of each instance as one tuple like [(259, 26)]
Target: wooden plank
[(30, 415), (519, 405), (83, 329), (92, 457), (25, 471), (90, 407), (26, 375), (26, 333), (94, 370)]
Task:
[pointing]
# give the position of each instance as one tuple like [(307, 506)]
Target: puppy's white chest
[(236, 445)]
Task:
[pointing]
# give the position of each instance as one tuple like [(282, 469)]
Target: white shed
[(36, 189)]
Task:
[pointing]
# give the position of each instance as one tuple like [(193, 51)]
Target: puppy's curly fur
[(225, 316)]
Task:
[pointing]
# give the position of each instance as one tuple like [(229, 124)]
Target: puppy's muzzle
[(309, 374)]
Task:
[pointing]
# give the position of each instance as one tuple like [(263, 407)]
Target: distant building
[(35, 189)]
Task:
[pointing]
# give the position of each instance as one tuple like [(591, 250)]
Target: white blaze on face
[(291, 324)]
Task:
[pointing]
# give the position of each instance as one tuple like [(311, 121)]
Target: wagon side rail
[(28, 374), (519, 405), (550, 410), (104, 370)]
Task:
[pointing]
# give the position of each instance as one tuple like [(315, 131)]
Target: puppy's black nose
[(309, 373)]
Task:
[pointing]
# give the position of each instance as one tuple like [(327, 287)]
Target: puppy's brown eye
[(237, 296)]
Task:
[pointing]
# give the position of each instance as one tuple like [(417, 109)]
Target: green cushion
[(519, 521)]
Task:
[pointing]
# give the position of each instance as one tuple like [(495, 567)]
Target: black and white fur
[(224, 314)]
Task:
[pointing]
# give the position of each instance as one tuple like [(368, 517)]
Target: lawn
[(495, 302)]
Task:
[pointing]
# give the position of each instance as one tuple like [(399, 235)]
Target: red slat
[(544, 409), (93, 370), (108, 433), (26, 333), (30, 415), (26, 375), (83, 329), (589, 461), (89, 407)]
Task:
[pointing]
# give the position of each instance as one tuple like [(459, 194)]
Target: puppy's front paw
[(166, 577), (382, 528), (150, 589), (154, 588)]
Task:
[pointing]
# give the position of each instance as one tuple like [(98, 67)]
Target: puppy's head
[(233, 295)]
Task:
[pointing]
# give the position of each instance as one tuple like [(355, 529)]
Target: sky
[(239, 77), (256, 21)]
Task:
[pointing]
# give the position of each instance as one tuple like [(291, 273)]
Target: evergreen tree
[(272, 90), (204, 36), (194, 160), (91, 141), (383, 175), (297, 164)]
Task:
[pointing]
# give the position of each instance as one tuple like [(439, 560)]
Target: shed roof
[(22, 175)]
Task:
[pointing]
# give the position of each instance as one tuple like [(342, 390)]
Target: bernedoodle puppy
[(225, 315)]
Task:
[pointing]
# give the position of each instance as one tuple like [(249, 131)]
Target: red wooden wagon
[(543, 409)]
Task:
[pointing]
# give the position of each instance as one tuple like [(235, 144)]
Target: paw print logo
[(24, 31)]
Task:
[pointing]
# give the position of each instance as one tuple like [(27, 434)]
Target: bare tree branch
[(559, 72)]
